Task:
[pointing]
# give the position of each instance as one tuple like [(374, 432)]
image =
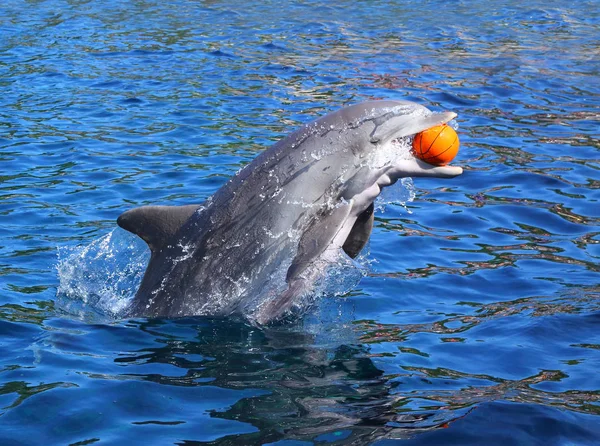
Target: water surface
[(478, 319)]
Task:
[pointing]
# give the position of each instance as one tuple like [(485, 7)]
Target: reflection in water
[(308, 390), (290, 383), (581, 301), (312, 390)]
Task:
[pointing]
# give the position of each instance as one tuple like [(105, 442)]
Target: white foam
[(399, 194), (393, 151), (100, 279)]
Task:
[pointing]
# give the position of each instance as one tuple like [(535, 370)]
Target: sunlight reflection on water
[(477, 318)]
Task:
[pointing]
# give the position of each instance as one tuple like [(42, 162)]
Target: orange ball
[(437, 145)]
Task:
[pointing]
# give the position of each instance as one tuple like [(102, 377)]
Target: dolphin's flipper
[(317, 238), (156, 224), (314, 242), (359, 235)]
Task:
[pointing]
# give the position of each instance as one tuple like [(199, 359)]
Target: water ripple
[(477, 320)]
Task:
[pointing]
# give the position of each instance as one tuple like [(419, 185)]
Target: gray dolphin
[(291, 209)]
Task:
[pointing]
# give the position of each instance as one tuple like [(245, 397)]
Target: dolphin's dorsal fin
[(156, 224)]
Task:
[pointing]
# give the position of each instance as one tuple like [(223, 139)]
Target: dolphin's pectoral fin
[(156, 224), (359, 235), (313, 243), (317, 238)]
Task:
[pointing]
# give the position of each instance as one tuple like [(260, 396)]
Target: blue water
[(478, 320)]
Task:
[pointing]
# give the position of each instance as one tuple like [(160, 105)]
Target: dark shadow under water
[(306, 387), (224, 382), (317, 382)]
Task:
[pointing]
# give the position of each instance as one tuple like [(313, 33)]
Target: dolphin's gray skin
[(304, 198)]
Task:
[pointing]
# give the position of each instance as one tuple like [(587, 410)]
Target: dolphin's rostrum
[(258, 244)]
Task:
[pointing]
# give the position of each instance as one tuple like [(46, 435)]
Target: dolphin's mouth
[(396, 159), (407, 153)]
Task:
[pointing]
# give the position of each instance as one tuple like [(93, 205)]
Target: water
[(478, 318)]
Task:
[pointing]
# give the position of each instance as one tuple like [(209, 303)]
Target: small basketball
[(437, 145)]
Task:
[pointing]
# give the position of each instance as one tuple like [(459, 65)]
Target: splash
[(396, 150), (403, 191), (399, 194), (97, 281)]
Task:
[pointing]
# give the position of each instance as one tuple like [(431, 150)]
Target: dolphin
[(259, 243)]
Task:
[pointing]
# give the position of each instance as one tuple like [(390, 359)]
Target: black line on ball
[(444, 151), (434, 140)]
